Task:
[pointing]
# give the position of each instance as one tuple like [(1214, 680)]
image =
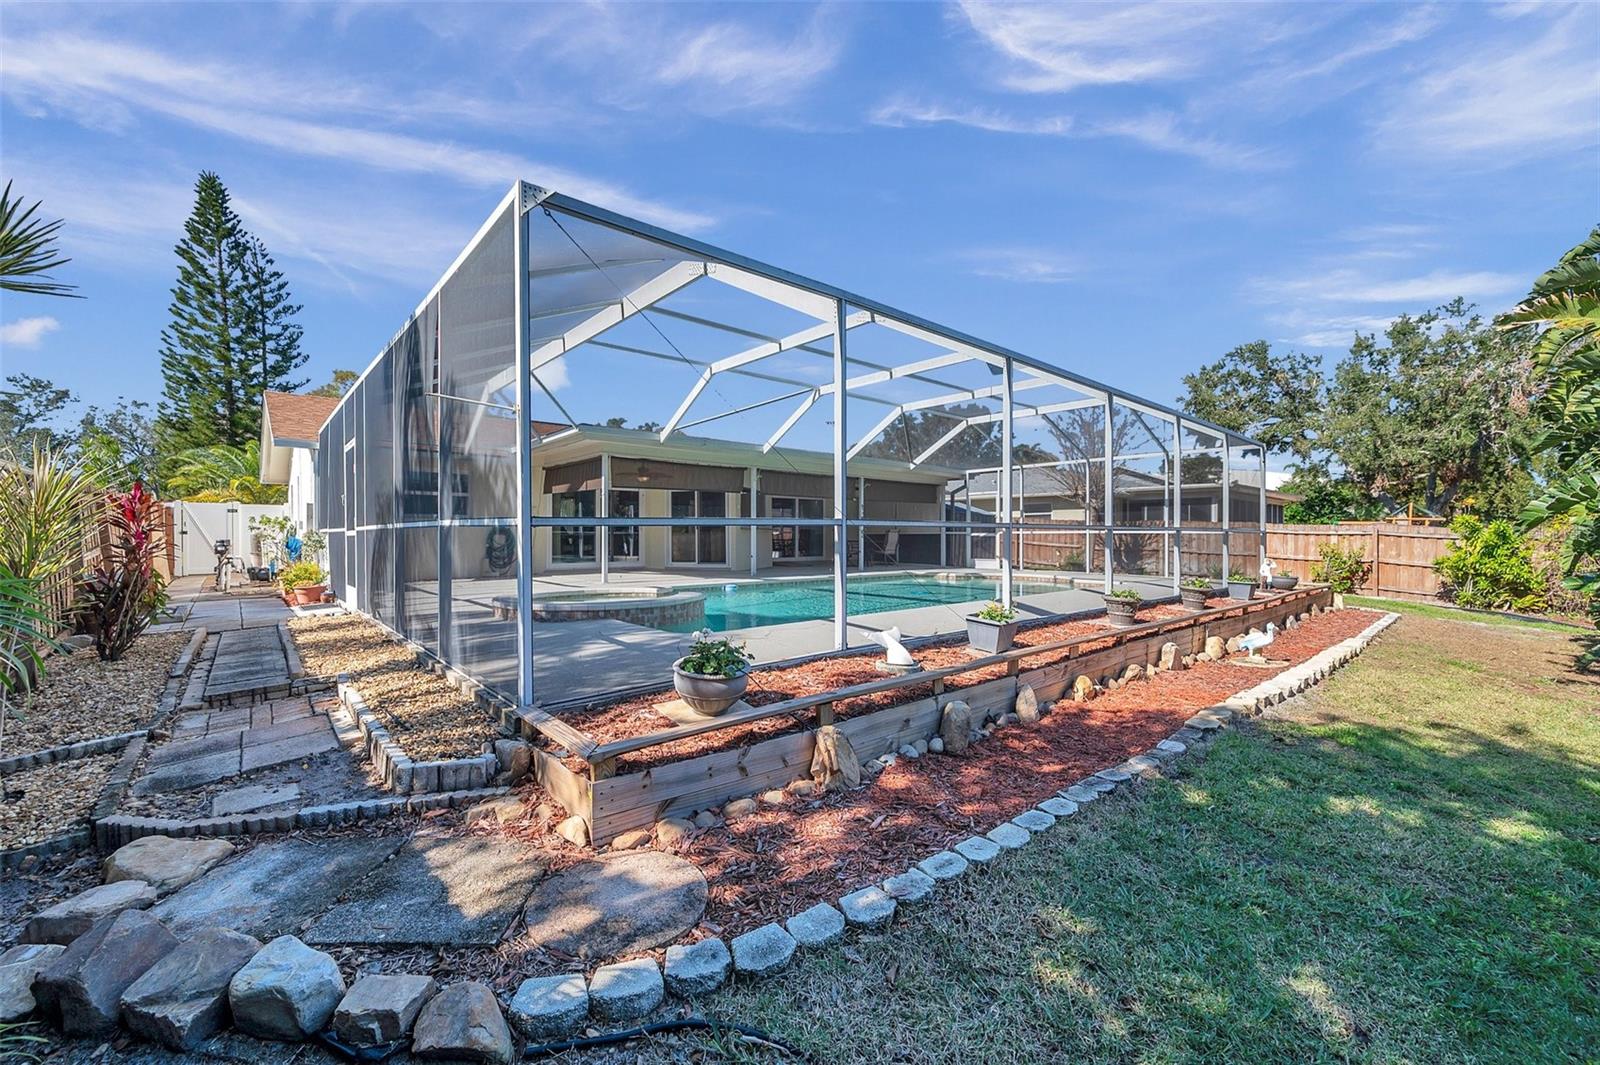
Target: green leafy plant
[(46, 505), (222, 473), (714, 656), (123, 594), (1129, 595), (1239, 576), (1199, 584), (996, 613), (1490, 567), (26, 633), (1343, 570), (28, 250), (301, 575)]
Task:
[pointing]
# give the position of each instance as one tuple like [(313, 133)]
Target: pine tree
[(200, 348), (271, 336)]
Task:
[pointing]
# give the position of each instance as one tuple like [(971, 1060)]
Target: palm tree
[(223, 473), (27, 250)]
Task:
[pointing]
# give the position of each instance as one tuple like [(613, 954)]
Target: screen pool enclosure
[(594, 436)]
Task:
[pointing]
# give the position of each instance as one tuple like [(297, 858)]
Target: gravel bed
[(424, 714), (40, 804), (83, 698)]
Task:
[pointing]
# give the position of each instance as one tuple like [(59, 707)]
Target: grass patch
[(1405, 866), (1449, 613)]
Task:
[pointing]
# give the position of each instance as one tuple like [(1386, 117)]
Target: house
[(289, 426)]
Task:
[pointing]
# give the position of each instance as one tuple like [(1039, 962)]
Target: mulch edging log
[(612, 802)]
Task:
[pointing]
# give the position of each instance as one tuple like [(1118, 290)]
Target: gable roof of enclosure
[(763, 279)]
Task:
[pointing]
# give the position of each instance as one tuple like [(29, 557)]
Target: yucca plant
[(28, 249), (26, 634), (46, 502)]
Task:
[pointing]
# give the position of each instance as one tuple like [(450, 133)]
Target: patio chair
[(884, 548)]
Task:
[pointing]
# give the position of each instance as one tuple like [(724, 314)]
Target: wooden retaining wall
[(616, 804)]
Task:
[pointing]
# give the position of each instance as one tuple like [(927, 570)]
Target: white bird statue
[(896, 657), (1255, 641)]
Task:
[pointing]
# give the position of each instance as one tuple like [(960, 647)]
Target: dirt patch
[(40, 804), (83, 698), (425, 715)]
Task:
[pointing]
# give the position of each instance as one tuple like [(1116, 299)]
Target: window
[(705, 545), (573, 543), (625, 539), (1275, 513), (795, 541)]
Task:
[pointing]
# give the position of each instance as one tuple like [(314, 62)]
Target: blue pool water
[(743, 606)]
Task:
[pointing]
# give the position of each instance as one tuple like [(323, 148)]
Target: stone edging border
[(69, 752), (552, 1006), (116, 786), (401, 773), (114, 831)]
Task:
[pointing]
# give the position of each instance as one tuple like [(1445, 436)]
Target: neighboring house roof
[(288, 421)]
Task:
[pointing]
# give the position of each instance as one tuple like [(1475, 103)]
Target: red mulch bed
[(783, 859), (637, 716)]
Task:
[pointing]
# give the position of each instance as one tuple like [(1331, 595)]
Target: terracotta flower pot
[(307, 594)]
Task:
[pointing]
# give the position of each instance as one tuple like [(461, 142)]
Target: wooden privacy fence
[(1401, 556)]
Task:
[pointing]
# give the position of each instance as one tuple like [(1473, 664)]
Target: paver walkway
[(208, 746), (191, 605), (247, 660)]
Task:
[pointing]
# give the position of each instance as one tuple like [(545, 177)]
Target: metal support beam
[(960, 428), (626, 306), (1227, 517), (791, 421), (603, 534), (1006, 412), (1111, 499), (755, 511), (1177, 504), (841, 532), (523, 371)]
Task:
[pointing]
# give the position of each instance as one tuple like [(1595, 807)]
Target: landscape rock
[(164, 862), (1170, 659), (616, 904), (816, 927), (502, 809), (1233, 644), (946, 865), (1080, 794), (775, 797), (286, 992), (1215, 648), (913, 885), (762, 951), (83, 986), (1027, 705), (1059, 807), (19, 966), (803, 789), (921, 747), (671, 831), (548, 1007), (381, 1008), (707, 819), (956, 721), (574, 830), (1133, 672), (1082, 689), (834, 765), (182, 1000), (978, 849), (737, 808), (1008, 836), (515, 759), (1034, 820), (463, 1023), (71, 918), (699, 968), (629, 841), (626, 990), (936, 745), (871, 907), (908, 752)]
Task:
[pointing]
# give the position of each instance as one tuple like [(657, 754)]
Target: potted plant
[(713, 675), (303, 583), (1284, 582), (1195, 591), (1121, 606), (992, 629), (1241, 585)]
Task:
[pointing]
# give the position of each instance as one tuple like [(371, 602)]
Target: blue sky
[(1128, 190)]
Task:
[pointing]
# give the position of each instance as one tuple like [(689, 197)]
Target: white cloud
[(1514, 96), (1351, 285), (903, 111), (736, 67), (1162, 131), (1329, 330), (27, 332), (1036, 265)]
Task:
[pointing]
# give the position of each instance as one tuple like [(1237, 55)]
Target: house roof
[(296, 419)]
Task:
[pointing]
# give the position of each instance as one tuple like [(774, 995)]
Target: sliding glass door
[(705, 545)]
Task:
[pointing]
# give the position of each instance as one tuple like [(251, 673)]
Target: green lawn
[(1449, 613), (1404, 867)]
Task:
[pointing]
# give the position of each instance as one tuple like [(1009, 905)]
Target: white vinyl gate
[(196, 526)]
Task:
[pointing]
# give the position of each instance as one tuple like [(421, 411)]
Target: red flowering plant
[(124, 593)]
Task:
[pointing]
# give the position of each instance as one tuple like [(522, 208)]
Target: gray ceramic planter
[(705, 694), (1241, 589), (991, 637), (1121, 612)]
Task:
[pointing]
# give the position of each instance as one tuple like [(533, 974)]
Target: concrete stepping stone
[(249, 799), (913, 885), (868, 908), (286, 992), (380, 1009), (463, 1023), (978, 849), (946, 865), (182, 1000), (274, 887), (1080, 794), (819, 926), (1034, 821), (435, 891), (625, 990), (19, 966), (548, 1007), (617, 904), (699, 968), (1059, 808), (165, 863), (762, 951), (1008, 836), (1115, 774), (71, 918), (83, 987)]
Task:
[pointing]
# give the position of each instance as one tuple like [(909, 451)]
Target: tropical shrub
[(301, 575), (123, 594), (222, 474), (46, 505), (26, 631), (1490, 567), (1343, 570)]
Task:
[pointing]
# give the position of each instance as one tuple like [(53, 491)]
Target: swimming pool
[(743, 606)]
